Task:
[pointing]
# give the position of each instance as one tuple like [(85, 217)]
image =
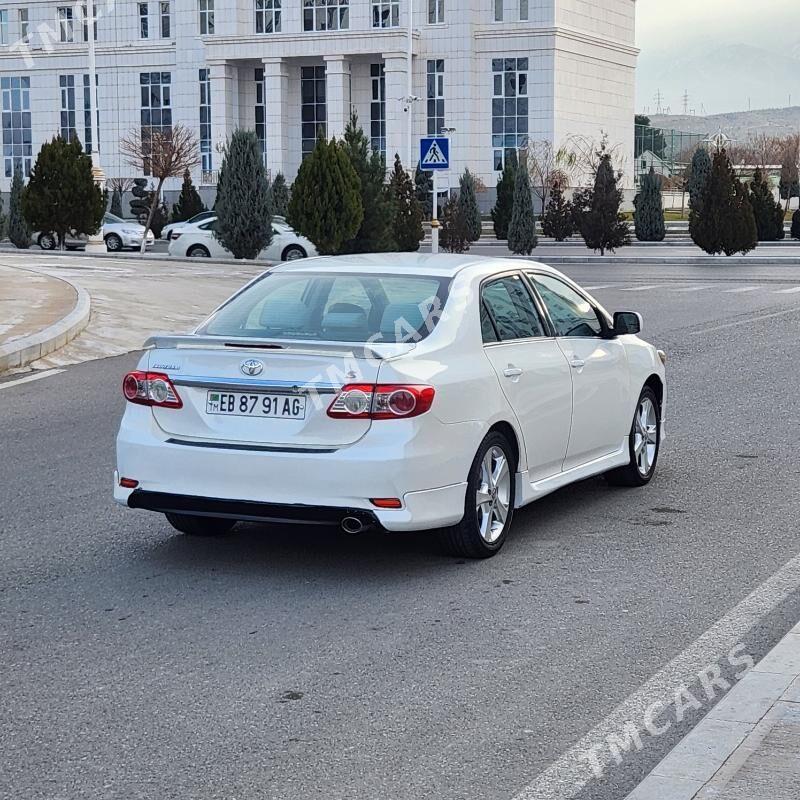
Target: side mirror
[(627, 322)]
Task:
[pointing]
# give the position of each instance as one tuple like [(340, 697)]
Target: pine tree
[(279, 196), (699, 172), (408, 231), (796, 224), (768, 212), (504, 205), (326, 198), (454, 236), (116, 203), (648, 216), (18, 230), (375, 233), (189, 203), (423, 183), (789, 186), (522, 228), (62, 195), (723, 220), (244, 225), (468, 201), (557, 220), (602, 226)]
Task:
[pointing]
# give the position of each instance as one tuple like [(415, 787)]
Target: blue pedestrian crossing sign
[(434, 153)]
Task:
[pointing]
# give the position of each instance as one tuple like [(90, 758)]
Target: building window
[(377, 109), (165, 19), (326, 15), (87, 115), (16, 121), (509, 107), (498, 10), (435, 12), (85, 24), (206, 17), (3, 26), (144, 21), (268, 16), (67, 85), (22, 14), (156, 106), (313, 110), (435, 93), (205, 120), (523, 10), (261, 113), (386, 14), (66, 25)]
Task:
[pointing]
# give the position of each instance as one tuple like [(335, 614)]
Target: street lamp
[(410, 99), (96, 241)]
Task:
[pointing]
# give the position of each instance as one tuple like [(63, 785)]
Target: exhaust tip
[(352, 525)]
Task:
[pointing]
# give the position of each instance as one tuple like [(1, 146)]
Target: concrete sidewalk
[(748, 747)]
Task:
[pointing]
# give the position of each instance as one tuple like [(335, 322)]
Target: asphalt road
[(291, 663)]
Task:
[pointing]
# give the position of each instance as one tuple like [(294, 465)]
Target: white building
[(498, 71)]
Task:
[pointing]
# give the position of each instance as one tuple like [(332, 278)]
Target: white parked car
[(400, 392), (118, 234), (198, 241), (167, 230)]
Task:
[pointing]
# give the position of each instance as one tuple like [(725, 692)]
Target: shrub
[(601, 224), (279, 196), (18, 230), (468, 201), (522, 228), (648, 216), (768, 212), (796, 224), (699, 172), (423, 186), (454, 237), (504, 205), (189, 203), (407, 211), (557, 220)]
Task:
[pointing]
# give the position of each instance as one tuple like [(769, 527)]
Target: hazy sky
[(694, 44)]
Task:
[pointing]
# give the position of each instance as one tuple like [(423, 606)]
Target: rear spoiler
[(191, 341)]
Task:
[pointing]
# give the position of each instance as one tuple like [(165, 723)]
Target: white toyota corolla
[(401, 392)]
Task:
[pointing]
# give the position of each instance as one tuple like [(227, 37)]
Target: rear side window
[(358, 308), (512, 310)]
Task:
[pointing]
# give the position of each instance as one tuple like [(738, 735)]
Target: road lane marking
[(747, 321), (793, 290), (642, 288), (690, 289), (741, 289), (28, 378), (603, 286), (571, 773)]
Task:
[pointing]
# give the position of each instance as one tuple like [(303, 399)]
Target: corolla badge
[(252, 367)]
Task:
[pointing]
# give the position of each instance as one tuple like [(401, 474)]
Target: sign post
[(434, 155)]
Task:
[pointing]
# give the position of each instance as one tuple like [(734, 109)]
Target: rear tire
[(47, 241), (644, 444), (200, 526), (198, 251), (489, 502), (113, 243), (293, 253)]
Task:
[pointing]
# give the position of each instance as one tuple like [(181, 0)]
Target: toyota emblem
[(252, 367)]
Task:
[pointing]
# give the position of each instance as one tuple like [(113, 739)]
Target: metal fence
[(667, 151)]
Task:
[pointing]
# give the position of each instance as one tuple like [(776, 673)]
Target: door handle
[(577, 363), (512, 371)]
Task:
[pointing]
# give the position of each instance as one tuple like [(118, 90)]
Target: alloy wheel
[(645, 436), (493, 496)]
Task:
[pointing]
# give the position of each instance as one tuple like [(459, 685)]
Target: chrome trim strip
[(248, 384), (252, 447)]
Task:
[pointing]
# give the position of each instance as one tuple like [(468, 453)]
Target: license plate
[(241, 404)]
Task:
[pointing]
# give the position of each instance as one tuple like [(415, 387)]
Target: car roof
[(441, 265)]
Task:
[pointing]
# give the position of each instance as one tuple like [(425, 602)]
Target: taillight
[(150, 389), (381, 401)]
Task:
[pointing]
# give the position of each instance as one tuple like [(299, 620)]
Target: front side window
[(326, 15), (511, 309), (357, 308), (206, 8), (435, 12), (268, 16), (385, 14), (144, 21), (16, 124), (571, 313), (66, 24), (509, 107), (435, 96)]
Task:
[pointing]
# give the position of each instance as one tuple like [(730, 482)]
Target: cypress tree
[(796, 224), (648, 216), (279, 196), (408, 231), (18, 230), (468, 201), (602, 226), (423, 183), (62, 195), (375, 233), (244, 225), (189, 203), (699, 172), (140, 204), (723, 220), (504, 206), (116, 203), (789, 186), (454, 236), (326, 198), (768, 212), (557, 220), (522, 228)]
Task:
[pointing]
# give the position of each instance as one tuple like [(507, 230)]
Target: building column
[(397, 111), (224, 77), (276, 114), (337, 97)]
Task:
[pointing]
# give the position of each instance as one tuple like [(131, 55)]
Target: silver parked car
[(118, 234)]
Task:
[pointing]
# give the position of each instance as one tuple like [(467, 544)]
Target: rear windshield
[(339, 307)]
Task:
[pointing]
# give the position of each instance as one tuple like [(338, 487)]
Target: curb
[(691, 261), (22, 352), (708, 758)]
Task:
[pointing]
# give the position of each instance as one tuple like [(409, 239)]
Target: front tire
[(644, 443), (489, 503), (200, 526), (113, 243), (47, 241)]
